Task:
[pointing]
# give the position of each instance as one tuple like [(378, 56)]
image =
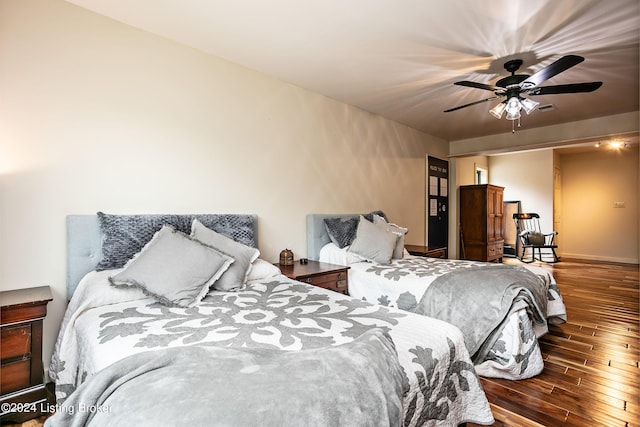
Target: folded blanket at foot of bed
[(358, 383), (479, 300)]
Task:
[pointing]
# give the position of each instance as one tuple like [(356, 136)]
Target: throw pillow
[(373, 243), (174, 268), (398, 251), (125, 235), (342, 230), (236, 275)]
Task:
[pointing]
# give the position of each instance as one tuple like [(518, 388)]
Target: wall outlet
[(619, 204)]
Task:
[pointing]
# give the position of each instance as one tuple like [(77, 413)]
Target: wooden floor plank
[(591, 375)]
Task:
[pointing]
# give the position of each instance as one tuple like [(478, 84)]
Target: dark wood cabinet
[(22, 390), (481, 222), (322, 274)]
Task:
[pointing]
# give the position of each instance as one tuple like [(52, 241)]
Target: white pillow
[(236, 275), (332, 254), (373, 243), (398, 251), (261, 270), (173, 267)]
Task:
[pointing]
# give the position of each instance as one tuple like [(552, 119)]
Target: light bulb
[(528, 104), (498, 110), (513, 115), (513, 105)]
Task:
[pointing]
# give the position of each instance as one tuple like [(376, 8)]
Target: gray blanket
[(479, 300), (360, 383)]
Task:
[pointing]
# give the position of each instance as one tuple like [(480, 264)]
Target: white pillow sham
[(261, 270), (332, 254)]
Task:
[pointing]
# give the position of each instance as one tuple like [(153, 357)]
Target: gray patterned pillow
[(234, 278), (125, 235), (342, 230), (174, 268)]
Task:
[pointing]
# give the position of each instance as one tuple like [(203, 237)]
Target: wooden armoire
[(481, 222)]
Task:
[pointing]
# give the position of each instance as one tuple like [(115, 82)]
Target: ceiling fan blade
[(478, 85), (570, 88), (551, 70), (470, 104)]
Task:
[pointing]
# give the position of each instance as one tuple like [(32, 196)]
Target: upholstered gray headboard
[(84, 248), (317, 235), (84, 245)]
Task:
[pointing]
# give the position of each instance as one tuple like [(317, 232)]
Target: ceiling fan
[(514, 86)]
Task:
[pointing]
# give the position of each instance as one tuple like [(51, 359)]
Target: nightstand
[(426, 251), (324, 275), (22, 389)]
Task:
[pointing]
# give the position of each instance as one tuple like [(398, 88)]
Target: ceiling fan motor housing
[(513, 80)]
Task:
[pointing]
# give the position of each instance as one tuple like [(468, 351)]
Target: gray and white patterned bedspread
[(515, 355), (103, 325)]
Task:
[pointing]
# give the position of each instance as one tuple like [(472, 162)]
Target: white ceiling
[(399, 58)]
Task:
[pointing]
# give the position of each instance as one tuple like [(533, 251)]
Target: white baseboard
[(584, 257)]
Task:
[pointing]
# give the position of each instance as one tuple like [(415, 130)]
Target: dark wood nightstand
[(22, 390), (426, 251), (324, 275)]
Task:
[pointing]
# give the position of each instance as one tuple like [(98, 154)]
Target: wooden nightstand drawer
[(22, 313), (338, 285), (15, 376), (328, 276), (16, 342), (326, 280)]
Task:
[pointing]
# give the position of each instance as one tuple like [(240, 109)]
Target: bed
[(274, 351), (501, 333)]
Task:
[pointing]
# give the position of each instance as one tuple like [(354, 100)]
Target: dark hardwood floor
[(591, 374)]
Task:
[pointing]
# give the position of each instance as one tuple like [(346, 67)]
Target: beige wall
[(96, 115), (462, 172), (527, 177), (582, 200), (592, 227), (466, 170)]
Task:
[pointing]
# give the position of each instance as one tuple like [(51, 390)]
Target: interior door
[(437, 202)]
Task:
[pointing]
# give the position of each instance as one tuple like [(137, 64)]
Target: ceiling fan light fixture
[(513, 105), (498, 110), (528, 104), (513, 108), (514, 86), (513, 115)]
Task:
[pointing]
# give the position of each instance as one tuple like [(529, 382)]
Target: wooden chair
[(532, 237)]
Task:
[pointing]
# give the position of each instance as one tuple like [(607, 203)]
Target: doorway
[(511, 240), (437, 209)]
